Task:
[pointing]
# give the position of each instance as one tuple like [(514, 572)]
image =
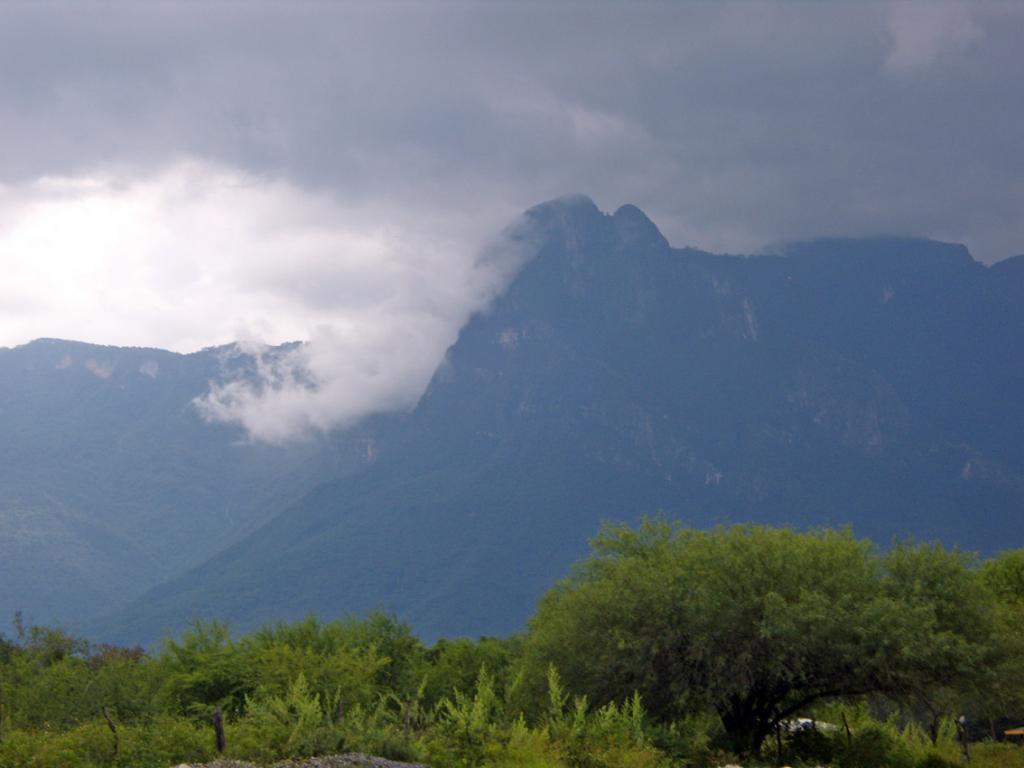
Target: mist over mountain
[(873, 382)]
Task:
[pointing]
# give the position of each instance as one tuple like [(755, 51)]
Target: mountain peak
[(571, 203), (567, 210), (574, 222), (634, 228)]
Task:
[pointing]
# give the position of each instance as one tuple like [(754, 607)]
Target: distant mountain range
[(111, 483), (875, 382)]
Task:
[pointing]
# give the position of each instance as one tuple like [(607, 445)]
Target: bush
[(90, 745), (165, 741), (993, 754), (809, 745), (17, 750), (292, 725), (936, 761), (872, 748), (526, 748), (157, 744), (697, 741)]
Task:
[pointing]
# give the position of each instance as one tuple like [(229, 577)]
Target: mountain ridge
[(617, 376)]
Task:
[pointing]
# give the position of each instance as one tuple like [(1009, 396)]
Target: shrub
[(872, 747), (165, 741), (17, 749), (936, 761), (698, 740), (292, 725), (992, 754), (809, 745), (90, 745)]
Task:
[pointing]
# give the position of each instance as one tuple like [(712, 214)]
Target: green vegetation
[(760, 624), (667, 647)]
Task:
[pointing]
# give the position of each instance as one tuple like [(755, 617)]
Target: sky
[(189, 174)]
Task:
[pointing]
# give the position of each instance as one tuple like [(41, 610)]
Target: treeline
[(668, 646)]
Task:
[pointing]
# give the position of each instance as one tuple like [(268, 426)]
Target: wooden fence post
[(218, 728)]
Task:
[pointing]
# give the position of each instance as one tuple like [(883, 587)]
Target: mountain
[(874, 382), (110, 482)]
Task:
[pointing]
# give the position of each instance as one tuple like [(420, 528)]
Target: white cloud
[(923, 31), (366, 362), (201, 254)]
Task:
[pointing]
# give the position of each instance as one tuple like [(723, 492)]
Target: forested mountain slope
[(111, 482), (874, 382)]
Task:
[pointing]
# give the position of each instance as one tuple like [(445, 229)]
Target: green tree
[(1004, 577), (943, 654), (455, 665), (756, 623), (354, 659), (206, 668)]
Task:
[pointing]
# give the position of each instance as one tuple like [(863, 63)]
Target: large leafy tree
[(1004, 577), (756, 623), (943, 654)]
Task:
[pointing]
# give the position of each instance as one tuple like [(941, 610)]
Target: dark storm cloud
[(733, 124), (183, 174)]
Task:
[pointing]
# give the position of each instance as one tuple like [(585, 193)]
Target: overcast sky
[(186, 174)]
